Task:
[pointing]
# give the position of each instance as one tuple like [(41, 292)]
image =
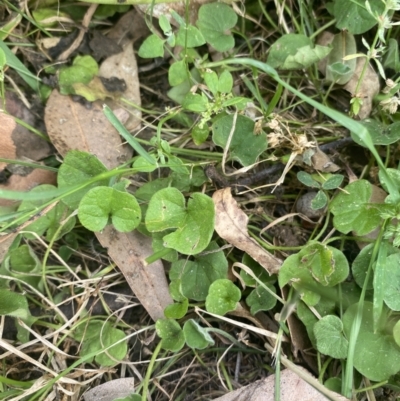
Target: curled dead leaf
[(231, 225)]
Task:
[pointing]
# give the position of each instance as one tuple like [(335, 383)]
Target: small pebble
[(303, 206)]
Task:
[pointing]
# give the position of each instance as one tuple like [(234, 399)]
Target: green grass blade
[(126, 135), (379, 277), (16, 64)]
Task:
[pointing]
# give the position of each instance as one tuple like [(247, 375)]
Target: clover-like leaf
[(353, 211), (215, 21), (320, 200), (97, 336), (391, 281), (197, 276), (323, 307), (222, 297), (245, 146), (333, 182), (260, 299), (16, 305), (308, 180), (324, 264), (196, 336), (295, 51), (354, 17), (194, 223), (189, 36), (376, 355), (83, 69), (305, 56), (153, 46), (380, 133), (101, 203), (171, 334), (329, 337), (327, 265), (77, 168)]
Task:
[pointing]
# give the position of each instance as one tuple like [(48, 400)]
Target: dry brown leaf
[(8, 149), (16, 141), (293, 388), (70, 125), (28, 144), (111, 390), (370, 85), (231, 225), (369, 88), (179, 7), (149, 284), (322, 162), (123, 66), (129, 28)]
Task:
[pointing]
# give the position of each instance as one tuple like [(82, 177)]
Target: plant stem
[(149, 371)]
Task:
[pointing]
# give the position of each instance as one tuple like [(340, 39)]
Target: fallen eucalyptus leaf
[(71, 125), (148, 282)]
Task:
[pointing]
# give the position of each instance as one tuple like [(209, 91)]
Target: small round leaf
[(222, 297), (100, 203), (196, 336), (171, 334)]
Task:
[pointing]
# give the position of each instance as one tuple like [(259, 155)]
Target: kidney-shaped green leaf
[(215, 21), (295, 51), (101, 203), (196, 276), (353, 211), (245, 146), (329, 336), (196, 336), (77, 168), (380, 133), (260, 299), (171, 334), (376, 354), (194, 223), (391, 281), (354, 17), (222, 297)]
